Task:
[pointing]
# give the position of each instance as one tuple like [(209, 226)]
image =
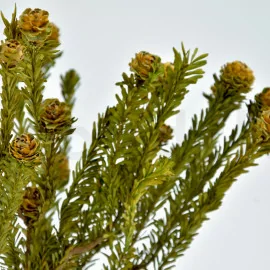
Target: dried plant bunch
[(130, 171)]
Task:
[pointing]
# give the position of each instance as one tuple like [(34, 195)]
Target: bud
[(167, 66), (29, 207), (11, 52), (34, 24), (143, 64), (264, 97), (54, 33), (238, 76), (261, 128), (55, 115), (61, 163), (165, 133), (25, 149)]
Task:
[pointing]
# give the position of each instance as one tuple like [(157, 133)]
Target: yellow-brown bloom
[(55, 115), (25, 149), (11, 53), (165, 133), (34, 24), (238, 76), (29, 208), (143, 64)]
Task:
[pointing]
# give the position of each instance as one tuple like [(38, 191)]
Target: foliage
[(127, 175)]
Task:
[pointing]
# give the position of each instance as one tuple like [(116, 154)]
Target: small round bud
[(167, 66), (264, 97), (54, 35), (165, 133), (61, 163)]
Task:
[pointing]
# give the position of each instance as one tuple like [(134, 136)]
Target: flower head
[(30, 205), (238, 76), (55, 115), (25, 149), (34, 24), (11, 53), (143, 64)]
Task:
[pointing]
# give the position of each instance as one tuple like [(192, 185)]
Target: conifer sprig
[(122, 179)]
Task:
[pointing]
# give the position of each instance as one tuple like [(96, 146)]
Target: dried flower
[(11, 53), (34, 24), (29, 207), (237, 75), (165, 133), (25, 149), (55, 115), (143, 64)]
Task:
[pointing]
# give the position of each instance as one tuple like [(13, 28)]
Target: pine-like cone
[(25, 149), (238, 76), (165, 133), (11, 53), (55, 115), (143, 64), (62, 165), (34, 24), (29, 207)]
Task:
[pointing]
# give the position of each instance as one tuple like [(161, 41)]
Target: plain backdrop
[(100, 37)]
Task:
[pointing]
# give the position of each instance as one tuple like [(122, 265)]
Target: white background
[(100, 37)]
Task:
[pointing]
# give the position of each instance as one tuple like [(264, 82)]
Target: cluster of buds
[(144, 64), (235, 76), (55, 115), (24, 148), (34, 25), (165, 133), (11, 53), (29, 209)]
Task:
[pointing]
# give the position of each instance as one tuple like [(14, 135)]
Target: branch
[(78, 250)]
